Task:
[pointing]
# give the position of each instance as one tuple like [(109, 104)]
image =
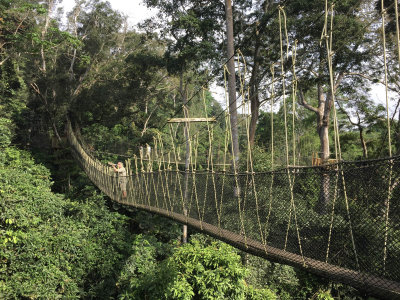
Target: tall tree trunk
[(232, 84), (50, 6), (75, 14), (363, 143), (323, 132), (324, 110), (324, 196), (255, 111), (254, 99), (325, 104)]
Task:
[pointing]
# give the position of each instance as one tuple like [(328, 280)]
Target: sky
[(134, 9)]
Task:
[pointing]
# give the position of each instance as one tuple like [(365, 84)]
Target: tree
[(347, 45), (192, 29), (389, 39), (17, 27), (362, 114), (232, 86), (53, 247), (318, 70), (251, 24), (256, 27), (69, 62)]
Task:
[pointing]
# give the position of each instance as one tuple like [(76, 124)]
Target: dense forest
[(60, 237)]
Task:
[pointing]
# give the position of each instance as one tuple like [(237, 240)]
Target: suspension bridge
[(339, 219), (272, 216)]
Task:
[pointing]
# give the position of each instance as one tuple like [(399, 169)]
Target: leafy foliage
[(51, 246), (193, 271)]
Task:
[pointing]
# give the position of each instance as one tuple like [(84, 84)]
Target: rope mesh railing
[(332, 203)]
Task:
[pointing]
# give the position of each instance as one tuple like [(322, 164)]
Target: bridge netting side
[(340, 221)]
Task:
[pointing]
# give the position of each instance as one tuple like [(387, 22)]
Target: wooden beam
[(183, 120)]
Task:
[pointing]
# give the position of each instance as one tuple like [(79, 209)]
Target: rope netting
[(307, 223)]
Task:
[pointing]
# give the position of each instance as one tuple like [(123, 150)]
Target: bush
[(194, 271), (50, 246), (5, 132)]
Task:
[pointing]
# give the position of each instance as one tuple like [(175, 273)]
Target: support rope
[(387, 201)]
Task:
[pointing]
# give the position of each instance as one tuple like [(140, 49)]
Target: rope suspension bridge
[(272, 217), (338, 219)]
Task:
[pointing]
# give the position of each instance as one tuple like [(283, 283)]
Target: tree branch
[(4, 60), (338, 81), (147, 120), (304, 103), (347, 115)]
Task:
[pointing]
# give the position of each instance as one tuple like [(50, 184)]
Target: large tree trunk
[(325, 104), (323, 116), (324, 196), (75, 14), (232, 84), (323, 132), (254, 99)]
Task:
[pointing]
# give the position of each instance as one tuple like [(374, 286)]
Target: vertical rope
[(387, 201), (324, 36), (188, 162), (196, 145), (284, 112), (386, 77), (294, 90), (250, 165), (235, 175), (165, 172), (210, 158), (140, 196), (328, 41), (145, 178), (242, 204), (226, 141), (283, 84), (158, 165), (178, 180), (152, 174), (272, 153), (291, 183), (396, 9)]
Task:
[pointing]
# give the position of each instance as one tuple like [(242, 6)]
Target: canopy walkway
[(354, 238), (340, 220)]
